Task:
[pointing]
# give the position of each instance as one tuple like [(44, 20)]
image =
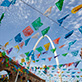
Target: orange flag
[(69, 64), (38, 55), (62, 46), (49, 58), (56, 41)]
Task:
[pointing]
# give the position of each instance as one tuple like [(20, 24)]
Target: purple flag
[(10, 50), (45, 52), (56, 56)]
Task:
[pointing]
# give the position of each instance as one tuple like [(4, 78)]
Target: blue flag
[(31, 53), (6, 3), (26, 41), (18, 38), (13, 2), (62, 19), (75, 53), (69, 34), (80, 29), (71, 43)]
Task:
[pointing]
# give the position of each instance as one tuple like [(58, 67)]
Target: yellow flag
[(47, 46), (17, 47), (62, 72), (22, 60), (6, 44), (76, 9), (48, 11), (0, 54)]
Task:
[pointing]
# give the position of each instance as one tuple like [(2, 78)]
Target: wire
[(48, 17)]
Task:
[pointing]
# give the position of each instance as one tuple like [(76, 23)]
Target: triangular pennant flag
[(71, 43), (3, 53), (80, 29), (6, 44), (6, 3), (55, 66), (60, 65), (75, 53), (2, 16), (18, 38), (13, 2), (33, 57), (59, 4), (27, 31), (77, 77), (26, 41), (62, 46), (53, 50), (47, 46), (36, 35), (45, 31), (76, 9), (7, 52), (37, 23), (56, 41), (76, 63), (69, 34), (60, 21), (56, 56), (0, 54), (17, 47), (22, 60), (45, 52), (49, 58), (39, 49), (48, 11), (26, 53), (38, 55), (43, 59), (31, 53), (37, 60), (69, 64), (21, 44), (27, 58), (10, 50), (64, 54)]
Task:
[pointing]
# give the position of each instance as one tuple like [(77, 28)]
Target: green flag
[(1, 17), (59, 4), (3, 53), (53, 50), (27, 58), (37, 23), (37, 60), (64, 54), (39, 49), (26, 53), (45, 31)]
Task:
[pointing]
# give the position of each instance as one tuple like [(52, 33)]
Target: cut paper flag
[(71, 43), (18, 38), (2, 16), (60, 65), (22, 55), (36, 35), (10, 50), (45, 31), (61, 46), (69, 34), (0, 54), (38, 55), (37, 60), (76, 63), (22, 60), (33, 57), (56, 56), (6, 3), (59, 4), (55, 66), (26, 41), (39, 49), (17, 47), (69, 64), (49, 58), (3, 53), (64, 54), (75, 53), (53, 50), (21, 44), (60, 21), (47, 12), (13, 2), (45, 52), (76, 9), (27, 31), (26, 53), (7, 52), (47, 46), (56, 41), (31, 53), (6, 44), (37, 23), (43, 59), (80, 29)]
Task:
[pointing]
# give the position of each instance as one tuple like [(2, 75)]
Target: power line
[(48, 17)]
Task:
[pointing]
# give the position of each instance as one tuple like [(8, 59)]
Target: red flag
[(49, 58), (27, 31), (69, 64), (21, 44), (56, 41), (61, 46), (38, 55), (7, 52)]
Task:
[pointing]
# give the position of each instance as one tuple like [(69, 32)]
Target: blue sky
[(19, 16)]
